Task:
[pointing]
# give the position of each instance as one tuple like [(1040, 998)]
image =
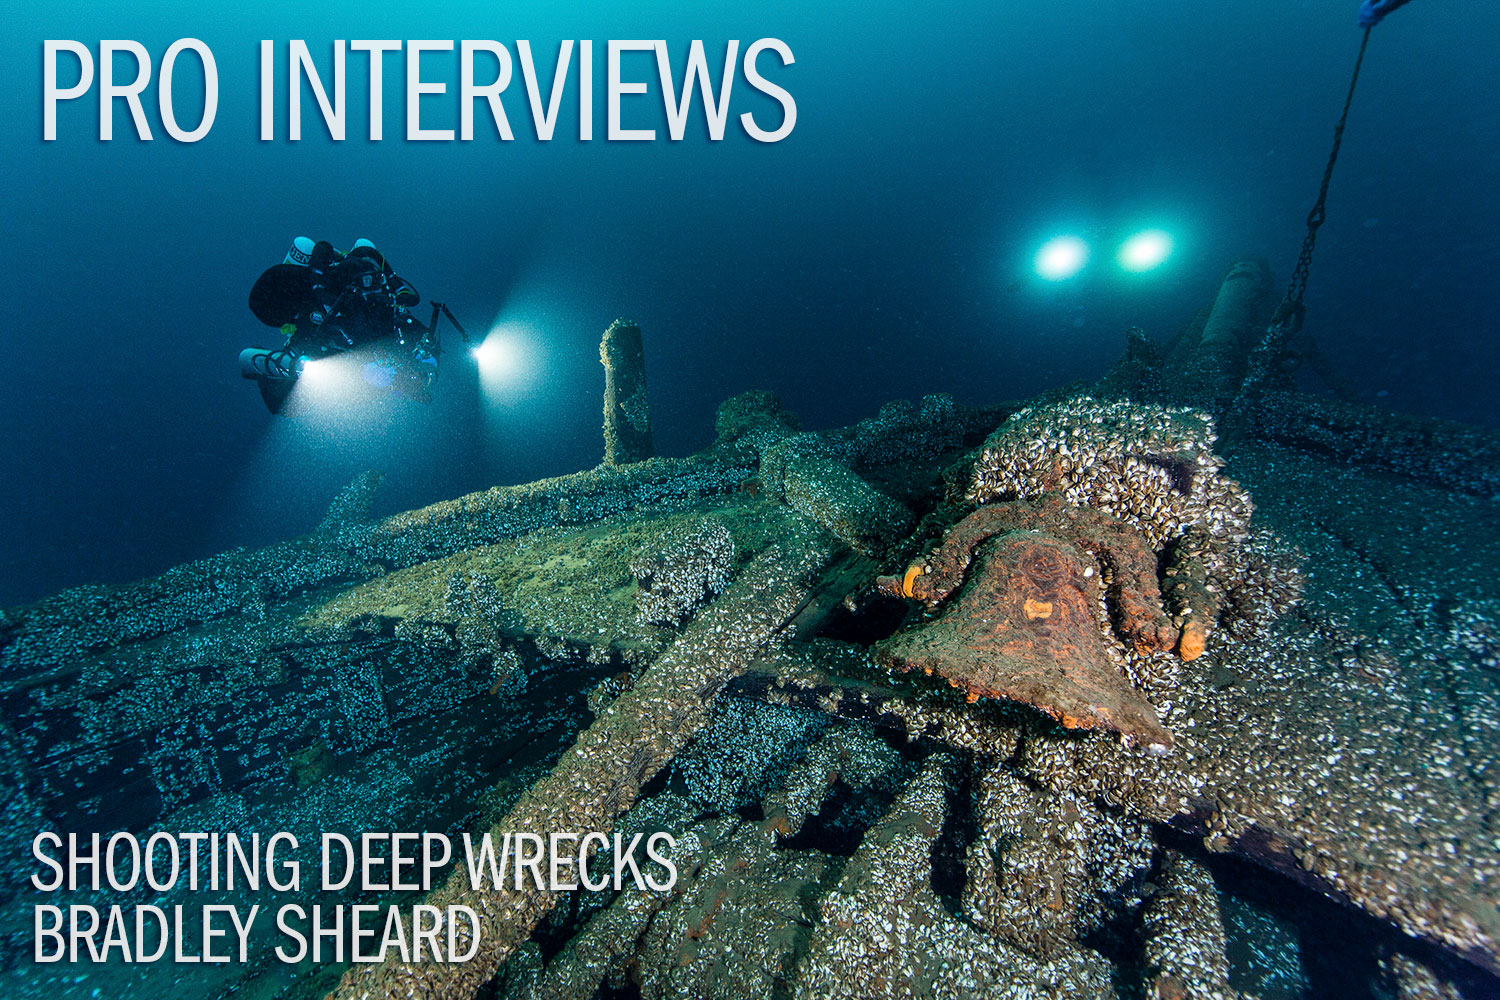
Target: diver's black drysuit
[(340, 302), (336, 301)]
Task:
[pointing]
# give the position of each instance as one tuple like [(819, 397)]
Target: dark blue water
[(881, 251)]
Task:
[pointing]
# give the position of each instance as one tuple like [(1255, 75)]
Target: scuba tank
[(300, 251)]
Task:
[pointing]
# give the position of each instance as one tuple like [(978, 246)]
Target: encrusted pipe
[(627, 407), (1184, 933), (1240, 310)]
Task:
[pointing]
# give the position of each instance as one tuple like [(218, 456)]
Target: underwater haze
[(883, 250)]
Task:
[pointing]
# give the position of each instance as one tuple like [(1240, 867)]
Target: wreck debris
[(1154, 468), (1194, 601), (627, 407), (1149, 465), (1029, 625), (739, 922), (601, 776), (754, 420), (744, 751), (838, 679), (1047, 868), (821, 473), (1258, 768), (61, 629), (845, 753), (1408, 979), (884, 932), (502, 512), (807, 472), (693, 569), (1077, 636), (352, 506), (1347, 747), (836, 497), (570, 592), (1211, 369), (1250, 773), (1457, 456), (1185, 934), (904, 431), (600, 948)]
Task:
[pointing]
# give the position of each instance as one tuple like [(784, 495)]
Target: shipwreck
[(1172, 684)]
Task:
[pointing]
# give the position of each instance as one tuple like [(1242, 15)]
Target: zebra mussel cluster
[(1153, 467)]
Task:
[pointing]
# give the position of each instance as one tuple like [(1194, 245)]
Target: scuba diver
[(327, 302)]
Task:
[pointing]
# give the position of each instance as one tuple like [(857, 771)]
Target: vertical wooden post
[(627, 407)]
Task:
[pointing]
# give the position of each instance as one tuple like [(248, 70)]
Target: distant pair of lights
[(1062, 257)]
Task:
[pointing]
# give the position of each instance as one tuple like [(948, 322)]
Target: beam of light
[(505, 362), (497, 355), (1061, 257), (317, 372), (333, 427), (1145, 250), (331, 390), (328, 380)]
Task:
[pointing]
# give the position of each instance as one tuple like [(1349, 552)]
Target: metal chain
[(1291, 310)]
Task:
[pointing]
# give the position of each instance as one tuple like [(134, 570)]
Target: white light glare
[(495, 356), (1061, 257), (1145, 250), (317, 372), (327, 384)]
